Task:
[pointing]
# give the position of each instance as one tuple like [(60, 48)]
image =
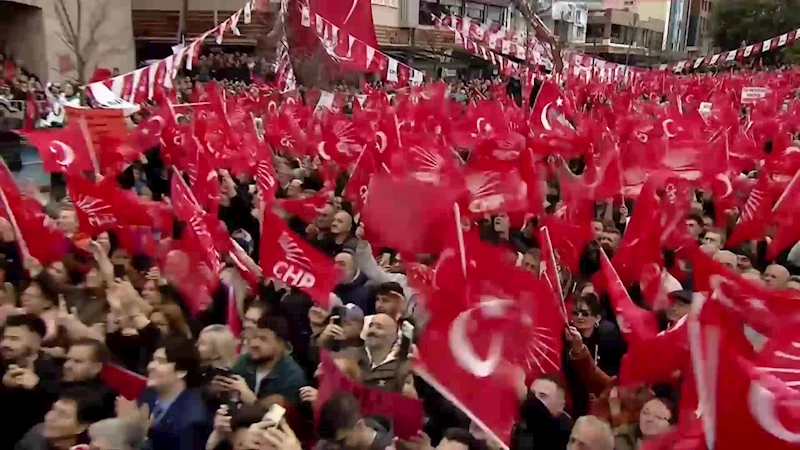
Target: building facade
[(698, 40), (30, 31)]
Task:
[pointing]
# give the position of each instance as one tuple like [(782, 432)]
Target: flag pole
[(89, 144), (13, 219)]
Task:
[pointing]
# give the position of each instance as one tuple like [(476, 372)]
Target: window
[(494, 13), (474, 10)]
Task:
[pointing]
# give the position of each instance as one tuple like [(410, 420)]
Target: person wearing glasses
[(655, 419), (590, 339)]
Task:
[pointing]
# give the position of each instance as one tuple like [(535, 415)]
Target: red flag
[(405, 413), (484, 292), (36, 235), (756, 213), (287, 257), (635, 323), (353, 17), (787, 214), (31, 112), (568, 240), (104, 206), (306, 209), (62, 150), (405, 214), (757, 305), (129, 384), (756, 403), (549, 270)]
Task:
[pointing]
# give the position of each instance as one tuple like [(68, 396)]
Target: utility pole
[(182, 21)]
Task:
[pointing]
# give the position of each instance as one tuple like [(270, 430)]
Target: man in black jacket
[(543, 423), (85, 359), (29, 378)]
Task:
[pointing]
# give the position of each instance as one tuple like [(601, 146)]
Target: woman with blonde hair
[(216, 346)]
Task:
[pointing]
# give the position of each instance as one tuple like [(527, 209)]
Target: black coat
[(27, 408), (540, 430)]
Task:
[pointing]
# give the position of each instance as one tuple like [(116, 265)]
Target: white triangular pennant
[(392, 70)]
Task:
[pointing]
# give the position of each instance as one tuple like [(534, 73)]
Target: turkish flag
[(62, 150), (476, 291), (748, 399), (353, 17), (287, 257), (306, 209)]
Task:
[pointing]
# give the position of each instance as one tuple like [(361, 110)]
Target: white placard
[(753, 94), (705, 108), (766, 45)]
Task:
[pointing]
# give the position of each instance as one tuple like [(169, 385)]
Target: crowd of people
[(214, 375)]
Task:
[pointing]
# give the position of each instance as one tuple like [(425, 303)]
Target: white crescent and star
[(59, 148), (382, 141), (463, 352), (545, 121), (667, 131), (762, 406), (727, 182)]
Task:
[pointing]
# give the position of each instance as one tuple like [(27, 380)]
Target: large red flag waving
[(352, 16)]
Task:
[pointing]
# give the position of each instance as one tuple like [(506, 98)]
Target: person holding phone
[(230, 430), (343, 332)]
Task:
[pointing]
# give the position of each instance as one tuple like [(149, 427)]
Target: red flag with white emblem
[(62, 150), (288, 258), (104, 206)]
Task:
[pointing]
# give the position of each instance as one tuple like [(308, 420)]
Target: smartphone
[(221, 372), (274, 415), (119, 271), (337, 313)]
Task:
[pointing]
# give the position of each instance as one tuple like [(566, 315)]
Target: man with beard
[(267, 369), (85, 359), (380, 362), (30, 379)]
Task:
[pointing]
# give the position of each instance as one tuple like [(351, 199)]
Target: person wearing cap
[(377, 276), (389, 300), (347, 336), (267, 369), (680, 304)]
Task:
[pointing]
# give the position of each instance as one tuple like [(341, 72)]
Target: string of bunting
[(740, 53), (342, 47), (142, 84), (499, 39)]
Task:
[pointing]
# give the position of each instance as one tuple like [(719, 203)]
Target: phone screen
[(274, 415)]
